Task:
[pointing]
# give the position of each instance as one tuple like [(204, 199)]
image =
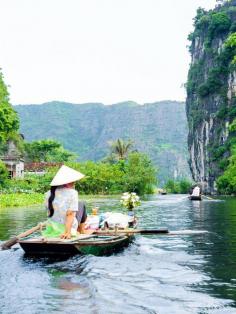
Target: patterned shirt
[(65, 199)]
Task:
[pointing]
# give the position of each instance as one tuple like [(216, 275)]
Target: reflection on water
[(156, 274)]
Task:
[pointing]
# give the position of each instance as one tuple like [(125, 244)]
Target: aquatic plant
[(130, 200), (20, 199)]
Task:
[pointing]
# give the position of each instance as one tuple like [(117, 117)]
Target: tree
[(47, 151), (120, 148), (9, 122), (140, 174)]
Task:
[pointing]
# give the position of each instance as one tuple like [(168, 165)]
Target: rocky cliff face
[(158, 129), (211, 86)]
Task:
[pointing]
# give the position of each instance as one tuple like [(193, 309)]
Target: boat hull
[(195, 198), (98, 245)]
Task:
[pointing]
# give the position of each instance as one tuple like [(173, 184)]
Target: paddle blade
[(153, 231), (8, 244)]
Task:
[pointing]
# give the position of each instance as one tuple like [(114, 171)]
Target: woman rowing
[(62, 204)]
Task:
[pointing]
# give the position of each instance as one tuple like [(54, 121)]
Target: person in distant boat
[(65, 211), (196, 191)]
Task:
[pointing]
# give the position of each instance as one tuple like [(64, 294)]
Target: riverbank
[(20, 199)]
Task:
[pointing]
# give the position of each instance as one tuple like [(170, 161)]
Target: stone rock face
[(210, 95), (158, 129)]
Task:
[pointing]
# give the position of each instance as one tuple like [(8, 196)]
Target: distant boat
[(195, 197), (196, 194), (162, 191)]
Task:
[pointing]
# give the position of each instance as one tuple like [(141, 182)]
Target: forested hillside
[(158, 129)]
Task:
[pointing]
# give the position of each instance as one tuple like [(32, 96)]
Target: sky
[(105, 51)]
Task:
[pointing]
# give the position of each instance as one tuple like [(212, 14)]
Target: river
[(156, 274)]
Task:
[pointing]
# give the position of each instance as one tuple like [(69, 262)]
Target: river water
[(156, 274)]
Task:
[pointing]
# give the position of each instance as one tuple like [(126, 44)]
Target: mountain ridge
[(87, 128)]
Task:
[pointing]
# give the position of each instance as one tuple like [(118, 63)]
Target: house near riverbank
[(15, 166), (40, 168), (13, 160)]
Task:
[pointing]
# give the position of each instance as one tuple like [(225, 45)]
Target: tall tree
[(120, 148), (47, 151), (9, 122)]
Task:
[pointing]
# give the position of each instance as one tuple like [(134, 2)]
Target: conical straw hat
[(66, 175)]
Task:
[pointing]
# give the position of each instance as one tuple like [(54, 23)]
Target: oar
[(132, 231), (8, 244), (209, 198), (150, 231)]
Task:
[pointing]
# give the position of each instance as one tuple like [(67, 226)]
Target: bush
[(219, 23), (3, 174), (203, 90), (226, 184), (178, 187), (232, 126), (184, 186), (212, 84), (218, 152), (136, 174), (31, 183)]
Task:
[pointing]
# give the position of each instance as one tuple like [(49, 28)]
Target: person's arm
[(72, 206), (46, 197), (70, 215)]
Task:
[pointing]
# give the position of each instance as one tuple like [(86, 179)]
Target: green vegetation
[(134, 174), (212, 23), (230, 47), (178, 187), (232, 127), (22, 199), (226, 184), (120, 148), (9, 123), (139, 174), (47, 151), (3, 174)]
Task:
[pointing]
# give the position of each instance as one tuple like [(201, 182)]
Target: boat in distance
[(195, 198)]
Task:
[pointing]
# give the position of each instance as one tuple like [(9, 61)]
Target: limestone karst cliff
[(211, 86)]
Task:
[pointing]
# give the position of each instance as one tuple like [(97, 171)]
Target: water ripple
[(179, 274)]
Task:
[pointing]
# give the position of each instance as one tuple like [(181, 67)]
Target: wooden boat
[(195, 198), (84, 244)]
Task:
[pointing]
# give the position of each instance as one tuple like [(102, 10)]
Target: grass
[(20, 199)]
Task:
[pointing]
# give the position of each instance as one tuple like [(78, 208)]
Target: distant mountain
[(158, 129)]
